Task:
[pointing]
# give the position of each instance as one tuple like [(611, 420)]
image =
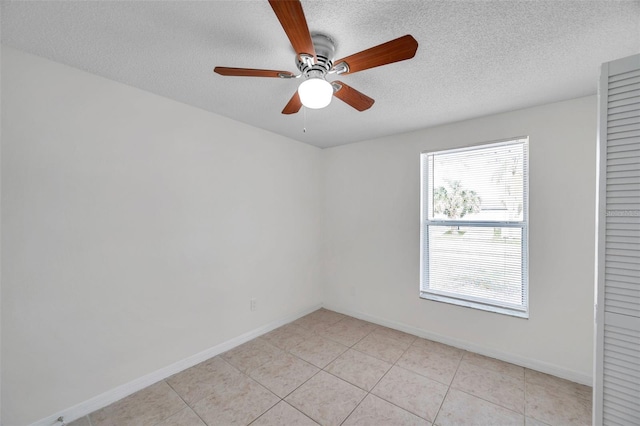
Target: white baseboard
[(530, 363), (113, 395)]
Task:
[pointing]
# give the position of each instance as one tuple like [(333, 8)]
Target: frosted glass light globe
[(315, 93)]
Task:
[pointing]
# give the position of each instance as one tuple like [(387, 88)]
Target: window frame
[(426, 193)]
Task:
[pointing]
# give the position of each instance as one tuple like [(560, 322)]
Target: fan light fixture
[(315, 92)]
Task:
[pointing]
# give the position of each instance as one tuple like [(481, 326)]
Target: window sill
[(475, 305)]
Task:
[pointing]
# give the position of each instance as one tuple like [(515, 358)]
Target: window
[(474, 227)]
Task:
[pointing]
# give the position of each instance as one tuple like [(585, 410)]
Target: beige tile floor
[(330, 369)]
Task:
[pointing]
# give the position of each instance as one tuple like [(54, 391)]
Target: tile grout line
[(267, 410), (440, 407), (493, 402), (239, 372), (246, 373), (185, 402), (368, 392), (287, 351), (315, 333), (354, 408), (200, 399), (448, 389), (302, 384), (382, 377), (490, 402), (395, 364), (339, 378), (333, 360)]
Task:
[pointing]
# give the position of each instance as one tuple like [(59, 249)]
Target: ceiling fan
[(314, 59)]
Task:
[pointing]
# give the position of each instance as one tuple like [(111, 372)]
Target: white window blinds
[(474, 226)]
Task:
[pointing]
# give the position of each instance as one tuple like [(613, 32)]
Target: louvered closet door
[(617, 369)]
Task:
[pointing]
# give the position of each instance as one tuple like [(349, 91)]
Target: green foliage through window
[(454, 201)]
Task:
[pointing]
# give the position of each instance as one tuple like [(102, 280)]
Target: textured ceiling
[(474, 57)]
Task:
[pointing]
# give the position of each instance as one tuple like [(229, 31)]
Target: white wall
[(372, 224), (135, 231)]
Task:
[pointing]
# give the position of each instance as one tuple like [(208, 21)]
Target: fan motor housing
[(325, 50)]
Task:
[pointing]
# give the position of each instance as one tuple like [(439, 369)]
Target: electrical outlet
[(253, 304)]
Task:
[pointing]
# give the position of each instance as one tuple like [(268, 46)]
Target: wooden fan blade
[(351, 96), (291, 17), (396, 50), (294, 104), (249, 72)]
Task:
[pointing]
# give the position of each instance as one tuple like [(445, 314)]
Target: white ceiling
[(474, 57)]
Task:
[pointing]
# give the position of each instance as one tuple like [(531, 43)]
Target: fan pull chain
[(304, 119)]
